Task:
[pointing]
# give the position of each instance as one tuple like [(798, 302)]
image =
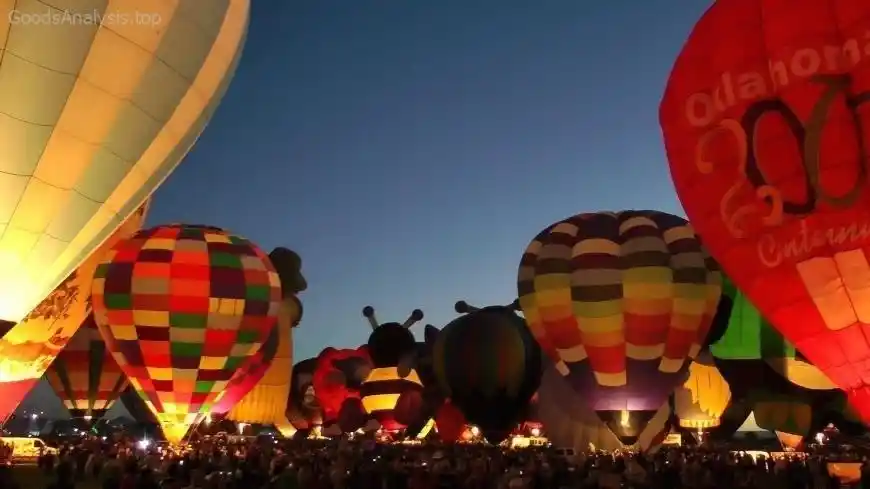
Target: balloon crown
[(389, 343)]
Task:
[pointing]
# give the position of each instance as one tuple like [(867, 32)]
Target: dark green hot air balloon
[(489, 365)]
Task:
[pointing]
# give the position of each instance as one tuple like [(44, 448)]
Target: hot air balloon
[(248, 376), (621, 302), (338, 377), (99, 112), (431, 397), (750, 343), (29, 347), (393, 376), (700, 402), (489, 365), (763, 369), (449, 422), (763, 128), (85, 376), (793, 416), (303, 410), (182, 308), (571, 423), (266, 401)]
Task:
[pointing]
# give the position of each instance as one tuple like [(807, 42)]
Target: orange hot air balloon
[(85, 376), (29, 347), (765, 128), (182, 308)]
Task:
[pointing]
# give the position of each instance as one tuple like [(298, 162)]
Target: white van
[(27, 449)]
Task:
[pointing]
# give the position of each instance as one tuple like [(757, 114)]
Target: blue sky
[(409, 150)]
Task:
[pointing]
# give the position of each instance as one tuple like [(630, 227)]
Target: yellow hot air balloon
[(99, 102), (701, 400), (267, 402), (28, 349)]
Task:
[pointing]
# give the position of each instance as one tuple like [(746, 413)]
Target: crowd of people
[(366, 465)]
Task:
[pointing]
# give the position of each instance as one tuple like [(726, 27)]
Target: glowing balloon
[(393, 351), (749, 337), (182, 308), (790, 416), (338, 377), (303, 410), (85, 376), (765, 130), (569, 422), (28, 348), (95, 117), (621, 302), (266, 401), (700, 402), (247, 377), (789, 440)]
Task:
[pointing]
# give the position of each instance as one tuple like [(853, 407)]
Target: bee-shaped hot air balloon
[(393, 381)]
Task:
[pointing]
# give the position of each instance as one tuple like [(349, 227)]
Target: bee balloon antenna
[(369, 313), (514, 306), (462, 307), (416, 315)]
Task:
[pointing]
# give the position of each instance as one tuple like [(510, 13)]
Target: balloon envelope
[(28, 348), (247, 377), (303, 410), (338, 376), (96, 115), (700, 402), (569, 422), (621, 302), (85, 376), (266, 402), (750, 337), (489, 365), (182, 308), (765, 131)]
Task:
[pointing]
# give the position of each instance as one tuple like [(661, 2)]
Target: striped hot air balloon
[(85, 376), (489, 365), (621, 302), (393, 376)]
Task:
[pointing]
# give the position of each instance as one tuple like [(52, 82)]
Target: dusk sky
[(409, 150)]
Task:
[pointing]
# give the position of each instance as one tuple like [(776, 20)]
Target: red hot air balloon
[(765, 128), (338, 377)]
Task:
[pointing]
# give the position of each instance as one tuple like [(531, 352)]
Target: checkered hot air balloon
[(247, 378), (621, 302), (182, 308), (85, 376)]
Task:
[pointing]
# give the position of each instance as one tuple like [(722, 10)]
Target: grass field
[(30, 477)]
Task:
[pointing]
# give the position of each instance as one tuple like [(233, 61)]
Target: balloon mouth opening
[(626, 425)]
